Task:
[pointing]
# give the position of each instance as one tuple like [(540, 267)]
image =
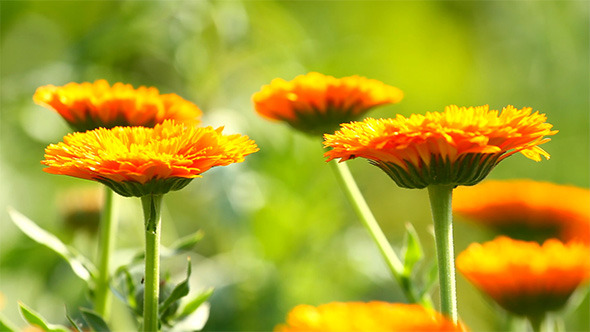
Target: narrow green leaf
[(73, 323), (94, 320), (186, 243), (430, 278), (34, 318), (5, 325), (179, 291), (412, 249), (195, 303), (81, 266)]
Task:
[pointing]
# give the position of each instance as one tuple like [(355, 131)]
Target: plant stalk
[(108, 229), (151, 210), (364, 213), (440, 204)]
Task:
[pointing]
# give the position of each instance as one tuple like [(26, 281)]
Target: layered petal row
[(459, 146), (135, 161)]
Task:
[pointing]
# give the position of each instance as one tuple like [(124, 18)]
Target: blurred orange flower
[(527, 209), (136, 161), (360, 316), (88, 106), (317, 103), (459, 146), (526, 278)]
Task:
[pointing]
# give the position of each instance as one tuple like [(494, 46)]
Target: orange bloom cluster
[(136, 161), (526, 278), (527, 209), (317, 103), (360, 316), (88, 106), (459, 146)]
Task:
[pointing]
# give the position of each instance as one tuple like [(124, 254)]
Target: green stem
[(108, 228), (364, 213), (151, 210), (542, 323), (440, 203)]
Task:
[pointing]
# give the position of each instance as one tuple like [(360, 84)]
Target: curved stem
[(151, 210), (108, 227), (440, 203), (364, 213)]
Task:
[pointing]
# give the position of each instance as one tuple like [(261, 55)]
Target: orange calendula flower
[(526, 278), (527, 209), (360, 316), (137, 161), (459, 146), (317, 103), (88, 106)]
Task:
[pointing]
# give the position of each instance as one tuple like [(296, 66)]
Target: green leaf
[(186, 243), (6, 326), (35, 318), (73, 323), (94, 320), (81, 266), (430, 278), (179, 246), (124, 288), (180, 291), (412, 249), (195, 303)]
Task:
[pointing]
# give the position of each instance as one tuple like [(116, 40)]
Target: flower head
[(526, 278), (137, 161), (88, 106), (459, 146), (317, 103), (370, 316), (527, 209)]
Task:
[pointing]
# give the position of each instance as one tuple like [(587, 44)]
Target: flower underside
[(458, 147), (316, 104), (88, 106)]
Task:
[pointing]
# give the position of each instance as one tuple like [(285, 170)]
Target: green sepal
[(469, 169), (152, 187), (34, 318)]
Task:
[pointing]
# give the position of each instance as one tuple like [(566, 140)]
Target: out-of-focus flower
[(315, 103), (137, 161), (360, 316), (88, 106), (459, 146), (81, 208), (527, 209), (526, 278)]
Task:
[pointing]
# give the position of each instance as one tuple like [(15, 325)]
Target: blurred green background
[(278, 230)]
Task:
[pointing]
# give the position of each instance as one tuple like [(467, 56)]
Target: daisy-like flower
[(526, 278), (88, 106), (315, 103), (459, 146), (360, 316), (137, 161), (527, 209)]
